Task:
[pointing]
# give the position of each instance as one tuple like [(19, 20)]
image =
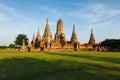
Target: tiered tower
[(92, 39), (74, 40), (74, 36), (60, 36), (47, 36), (23, 45), (38, 39)]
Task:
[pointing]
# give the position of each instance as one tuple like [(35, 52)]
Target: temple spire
[(74, 29), (47, 26), (60, 36), (47, 21), (38, 37), (23, 45), (92, 39), (47, 36), (74, 36), (60, 27)]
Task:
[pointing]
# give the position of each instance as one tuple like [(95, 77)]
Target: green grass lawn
[(16, 65)]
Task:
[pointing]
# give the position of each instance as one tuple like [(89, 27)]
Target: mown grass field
[(16, 65)]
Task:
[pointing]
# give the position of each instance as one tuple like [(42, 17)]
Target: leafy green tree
[(113, 43), (19, 39), (12, 46), (3, 47)]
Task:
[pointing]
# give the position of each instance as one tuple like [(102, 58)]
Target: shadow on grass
[(112, 60), (39, 69)]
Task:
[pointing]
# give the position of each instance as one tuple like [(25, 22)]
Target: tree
[(19, 39), (3, 47), (12, 46), (112, 43)]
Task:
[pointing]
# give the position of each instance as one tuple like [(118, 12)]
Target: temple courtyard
[(15, 65)]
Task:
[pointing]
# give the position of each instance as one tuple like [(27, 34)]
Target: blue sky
[(25, 16)]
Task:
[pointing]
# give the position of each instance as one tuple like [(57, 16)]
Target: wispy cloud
[(3, 17), (95, 13), (51, 10), (4, 7), (9, 13)]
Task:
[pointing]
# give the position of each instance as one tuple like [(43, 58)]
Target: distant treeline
[(111, 44), (10, 46)]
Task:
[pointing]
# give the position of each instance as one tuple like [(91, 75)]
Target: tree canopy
[(19, 39), (113, 43), (12, 45)]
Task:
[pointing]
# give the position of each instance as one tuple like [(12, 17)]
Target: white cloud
[(4, 17), (95, 13), (10, 13), (52, 11), (7, 8)]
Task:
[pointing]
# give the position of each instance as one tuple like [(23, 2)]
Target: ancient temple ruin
[(23, 48), (59, 43), (92, 39)]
